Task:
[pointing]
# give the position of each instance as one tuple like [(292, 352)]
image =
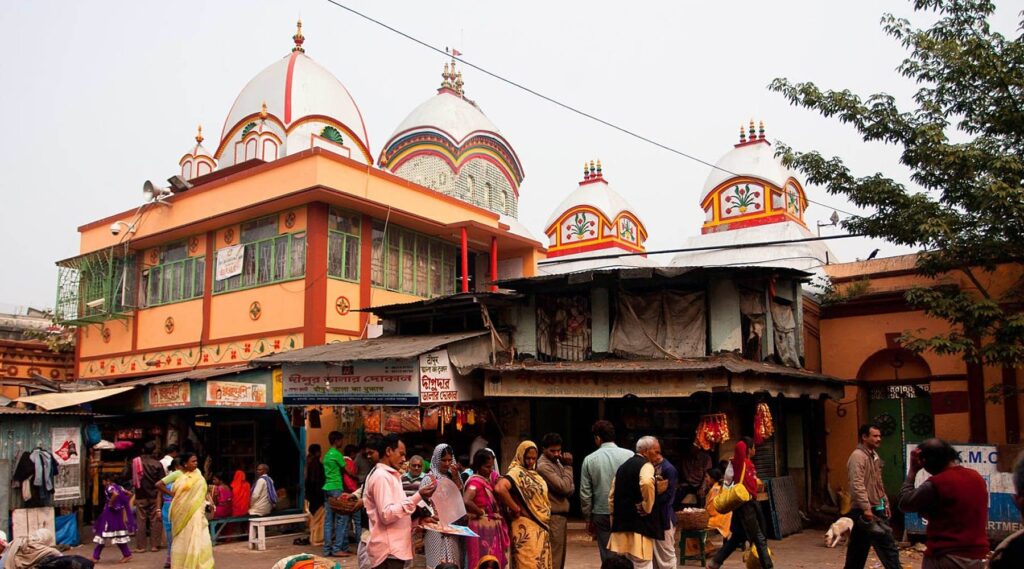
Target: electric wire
[(556, 260), (554, 101)]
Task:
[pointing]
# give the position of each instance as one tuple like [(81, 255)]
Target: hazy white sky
[(98, 97)]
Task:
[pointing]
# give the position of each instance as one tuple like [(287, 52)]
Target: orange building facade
[(276, 240), (910, 396)]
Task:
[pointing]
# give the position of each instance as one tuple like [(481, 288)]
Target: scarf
[(530, 485), (435, 461), (241, 492), (31, 552), (271, 491)]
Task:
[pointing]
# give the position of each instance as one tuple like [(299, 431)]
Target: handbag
[(344, 504), (751, 560), (734, 496)]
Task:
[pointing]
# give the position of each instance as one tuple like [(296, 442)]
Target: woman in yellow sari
[(525, 496), (191, 547)]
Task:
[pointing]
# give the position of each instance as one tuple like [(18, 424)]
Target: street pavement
[(799, 551)]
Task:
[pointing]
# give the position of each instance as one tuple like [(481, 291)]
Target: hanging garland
[(712, 430), (764, 428)]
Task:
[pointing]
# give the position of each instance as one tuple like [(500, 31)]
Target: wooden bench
[(258, 527), (217, 526)]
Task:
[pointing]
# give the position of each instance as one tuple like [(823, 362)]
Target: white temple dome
[(756, 159), (301, 98), (447, 144)]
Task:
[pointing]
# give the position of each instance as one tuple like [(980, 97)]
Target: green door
[(903, 421)]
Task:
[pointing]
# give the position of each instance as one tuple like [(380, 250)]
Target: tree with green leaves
[(963, 140)]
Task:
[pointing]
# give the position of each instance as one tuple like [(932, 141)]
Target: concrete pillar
[(724, 316)]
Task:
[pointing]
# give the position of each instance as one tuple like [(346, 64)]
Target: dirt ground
[(803, 550)]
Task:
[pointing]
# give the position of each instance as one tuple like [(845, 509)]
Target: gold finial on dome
[(599, 167), (458, 81), (760, 130), (751, 135), (586, 171), (743, 134), (199, 135), (446, 78), (263, 111), (298, 38)]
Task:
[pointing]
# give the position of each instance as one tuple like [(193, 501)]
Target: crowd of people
[(517, 518)]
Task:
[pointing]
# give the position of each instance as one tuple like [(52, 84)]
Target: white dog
[(841, 527)]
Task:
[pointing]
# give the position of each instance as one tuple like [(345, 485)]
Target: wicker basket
[(692, 520)]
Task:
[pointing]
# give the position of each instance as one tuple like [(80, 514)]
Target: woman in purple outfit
[(116, 523)]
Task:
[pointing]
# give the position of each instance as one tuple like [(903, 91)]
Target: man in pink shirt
[(388, 508)]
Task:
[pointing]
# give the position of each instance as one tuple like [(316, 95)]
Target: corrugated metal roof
[(17, 411), (446, 301), (204, 373), (51, 401), (383, 348), (723, 362), (633, 273)]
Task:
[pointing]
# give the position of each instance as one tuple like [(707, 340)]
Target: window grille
[(412, 263), (274, 259), (563, 327), (343, 245), (174, 281), (95, 287)]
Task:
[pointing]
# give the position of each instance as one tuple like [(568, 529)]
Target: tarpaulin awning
[(51, 401), (382, 348)]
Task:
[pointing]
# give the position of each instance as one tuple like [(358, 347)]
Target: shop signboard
[(66, 443), (598, 385), (1003, 515), (371, 382), (439, 383), (170, 395), (236, 394)]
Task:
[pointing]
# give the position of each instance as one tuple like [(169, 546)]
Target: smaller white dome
[(597, 194), (756, 159)]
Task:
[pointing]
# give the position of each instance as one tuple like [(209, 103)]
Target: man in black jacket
[(635, 525)]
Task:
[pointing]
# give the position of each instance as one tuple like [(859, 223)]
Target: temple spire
[(199, 135), (298, 38)]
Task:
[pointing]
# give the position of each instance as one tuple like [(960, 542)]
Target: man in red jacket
[(954, 501)]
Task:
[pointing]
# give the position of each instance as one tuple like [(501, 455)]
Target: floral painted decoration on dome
[(749, 186), (594, 217)]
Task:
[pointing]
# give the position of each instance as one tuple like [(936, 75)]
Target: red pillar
[(494, 262), (465, 260)]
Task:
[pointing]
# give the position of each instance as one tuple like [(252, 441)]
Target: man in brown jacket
[(870, 512), (555, 467)]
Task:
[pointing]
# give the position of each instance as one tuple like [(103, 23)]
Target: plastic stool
[(701, 535)]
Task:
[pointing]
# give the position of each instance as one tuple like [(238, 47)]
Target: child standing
[(116, 523)]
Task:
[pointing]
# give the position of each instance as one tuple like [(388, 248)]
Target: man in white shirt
[(264, 495), (170, 454)]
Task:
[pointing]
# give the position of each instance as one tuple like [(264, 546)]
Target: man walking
[(1010, 553), (954, 500), (870, 513), (335, 523), (596, 477), (666, 479), (388, 509), (635, 524), (555, 467), (147, 500)]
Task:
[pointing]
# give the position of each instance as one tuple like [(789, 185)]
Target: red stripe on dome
[(288, 88)]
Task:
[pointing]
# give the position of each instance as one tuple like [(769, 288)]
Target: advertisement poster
[(1003, 516), (359, 383), (229, 261), (439, 383), (169, 395), (235, 394), (66, 444)]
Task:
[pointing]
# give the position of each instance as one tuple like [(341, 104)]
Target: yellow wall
[(335, 289), (281, 307), (188, 324)]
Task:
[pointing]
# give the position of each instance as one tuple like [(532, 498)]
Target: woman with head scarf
[(525, 497), (439, 547), (240, 494), (484, 515), (747, 523)]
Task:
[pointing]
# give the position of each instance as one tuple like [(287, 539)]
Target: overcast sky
[(98, 97)]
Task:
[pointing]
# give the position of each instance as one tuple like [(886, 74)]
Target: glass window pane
[(344, 221), (449, 274), (352, 258), (186, 281), (435, 268), (298, 260), (174, 252), (377, 260), (408, 262), (154, 286), (168, 284), (335, 254), (265, 272), (200, 276), (248, 266), (422, 258), (255, 230)]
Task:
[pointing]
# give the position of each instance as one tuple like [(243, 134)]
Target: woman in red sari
[(484, 514), (240, 494)]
